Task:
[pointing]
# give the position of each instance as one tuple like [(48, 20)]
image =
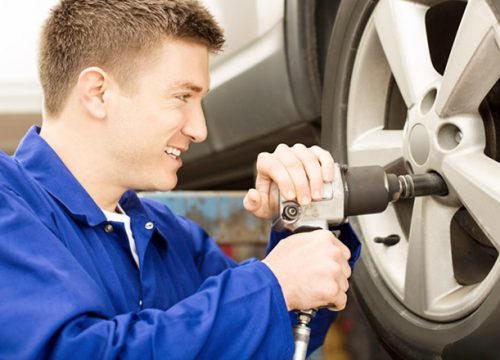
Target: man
[(89, 270)]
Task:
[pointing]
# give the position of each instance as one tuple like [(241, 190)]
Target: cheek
[(130, 145)]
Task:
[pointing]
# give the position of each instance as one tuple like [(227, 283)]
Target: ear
[(93, 83)]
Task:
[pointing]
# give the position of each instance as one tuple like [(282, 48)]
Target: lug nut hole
[(449, 137), (428, 101)]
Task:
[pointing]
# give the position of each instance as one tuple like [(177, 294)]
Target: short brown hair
[(112, 34)]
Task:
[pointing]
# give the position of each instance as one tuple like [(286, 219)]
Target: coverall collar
[(45, 166)]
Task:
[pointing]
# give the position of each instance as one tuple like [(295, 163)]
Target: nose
[(196, 126)]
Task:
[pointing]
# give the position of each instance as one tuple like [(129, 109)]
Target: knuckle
[(325, 155), (329, 237), (341, 304), (346, 287), (329, 292), (324, 272), (323, 237), (333, 290), (263, 156), (339, 257), (336, 253), (344, 298), (346, 253), (324, 242), (325, 294), (306, 153), (320, 150), (343, 285), (348, 272), (299, 146), (335, 270), (282, 147), (346, 250)]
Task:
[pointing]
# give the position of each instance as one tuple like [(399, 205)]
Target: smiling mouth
[(173, 152)]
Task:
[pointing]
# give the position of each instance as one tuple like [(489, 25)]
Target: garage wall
[(20, 92)]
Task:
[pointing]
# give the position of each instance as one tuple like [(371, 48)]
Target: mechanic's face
[(155, 124)]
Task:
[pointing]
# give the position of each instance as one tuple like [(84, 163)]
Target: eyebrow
[(187, 85)]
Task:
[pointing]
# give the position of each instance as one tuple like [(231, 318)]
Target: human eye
[(183, 97)]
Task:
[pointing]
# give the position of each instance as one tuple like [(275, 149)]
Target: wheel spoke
[(401, 29), (475, 178), (429, 265), (377, 147), (474, 63)]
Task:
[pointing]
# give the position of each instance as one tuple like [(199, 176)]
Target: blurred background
[(20, 92)]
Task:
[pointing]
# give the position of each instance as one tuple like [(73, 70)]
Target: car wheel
[(413, 86)]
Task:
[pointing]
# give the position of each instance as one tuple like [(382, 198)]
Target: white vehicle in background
[(411, 85)]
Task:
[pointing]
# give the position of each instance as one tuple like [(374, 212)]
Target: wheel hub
[(420, 134), (430, 138), (419, 144)]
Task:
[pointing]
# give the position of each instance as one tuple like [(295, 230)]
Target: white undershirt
[(125, 219)]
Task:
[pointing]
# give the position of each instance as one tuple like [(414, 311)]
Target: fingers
[(346, 269), (340, 255), (251, 201), (326, 161), (341, 260), (338, 298), (346, 253), (339, 303), (312, 270), (296, 163), (269, 168), (299, 171), (344, 284), (312, 168)]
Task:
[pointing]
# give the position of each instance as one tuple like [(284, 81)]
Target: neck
[(81, 151)]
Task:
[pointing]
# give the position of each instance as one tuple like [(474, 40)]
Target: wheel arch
[(308, 26)]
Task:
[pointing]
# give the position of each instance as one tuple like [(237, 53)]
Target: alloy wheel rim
[(443, 132)]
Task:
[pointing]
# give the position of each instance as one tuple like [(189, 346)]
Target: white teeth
[(170, 150)]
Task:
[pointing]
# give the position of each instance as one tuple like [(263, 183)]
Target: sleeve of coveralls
[(54, 309), (209, 258), (324, 317)]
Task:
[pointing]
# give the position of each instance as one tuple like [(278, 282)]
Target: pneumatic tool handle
[(302, 331)]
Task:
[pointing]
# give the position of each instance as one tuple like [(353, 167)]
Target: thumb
[(252, 201)]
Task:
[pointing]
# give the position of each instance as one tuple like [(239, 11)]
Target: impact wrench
[(354, 191)]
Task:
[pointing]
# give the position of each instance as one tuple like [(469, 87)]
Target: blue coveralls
[(70, 289)]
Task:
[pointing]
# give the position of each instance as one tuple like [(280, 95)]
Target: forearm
[(238, 314)]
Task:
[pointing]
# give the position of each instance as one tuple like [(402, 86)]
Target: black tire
[(405, 334)]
